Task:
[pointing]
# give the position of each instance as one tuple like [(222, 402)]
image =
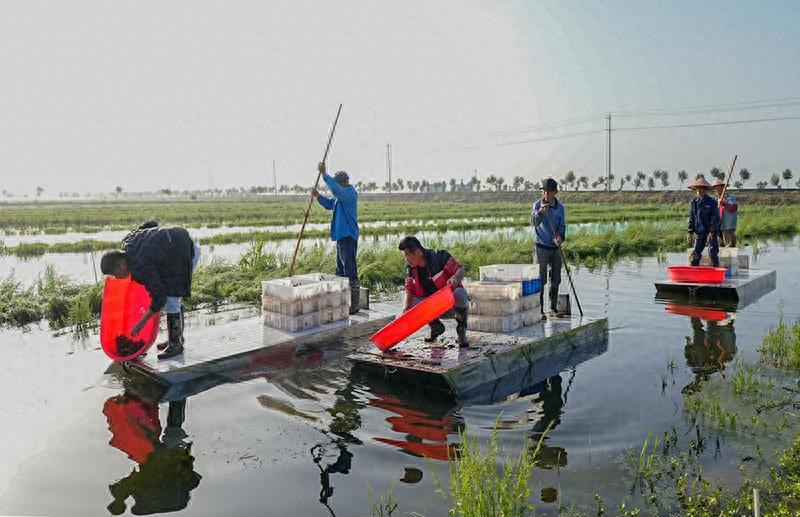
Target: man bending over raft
[(429, 271), (162, 260), (344, 227), (547, 215), (703, 223)]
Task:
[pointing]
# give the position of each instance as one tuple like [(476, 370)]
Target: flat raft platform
[(212, 350), (744, 288), (446, 368)]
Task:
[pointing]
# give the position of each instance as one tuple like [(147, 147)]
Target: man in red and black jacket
[(429, 271)]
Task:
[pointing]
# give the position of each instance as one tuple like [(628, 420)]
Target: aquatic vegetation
[(478, 487), (781, 345), (385, 505), (744, 380)]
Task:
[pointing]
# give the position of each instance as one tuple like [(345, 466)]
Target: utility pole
[(389, 165), (274, 179), (608, 172)]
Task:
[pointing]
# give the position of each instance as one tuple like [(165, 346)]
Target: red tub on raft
[(696, 274), (423, 313), (124, 303)]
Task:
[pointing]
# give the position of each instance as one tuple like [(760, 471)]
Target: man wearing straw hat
[(728, 214), (344, 227), (703, 223)]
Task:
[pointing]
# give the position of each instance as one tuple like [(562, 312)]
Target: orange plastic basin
[(704, 313), (124, 303), (696, 274), (426, 311)]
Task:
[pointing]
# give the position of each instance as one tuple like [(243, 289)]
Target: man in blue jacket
[(547, 215), (162, 259), (344, 227), (703, 223)]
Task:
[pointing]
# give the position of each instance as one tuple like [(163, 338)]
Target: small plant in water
[(781, 345), (478, 487), (385, 505)]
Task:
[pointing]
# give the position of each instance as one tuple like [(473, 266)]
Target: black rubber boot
[(175, 332), (165, 343), (437, 329), (355, 297), (461, 328)]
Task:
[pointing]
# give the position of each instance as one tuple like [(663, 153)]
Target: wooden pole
[(730, 173), (311, 198)]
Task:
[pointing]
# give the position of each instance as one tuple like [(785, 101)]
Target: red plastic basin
[(696, 274), (124, 303), (704, 313), (426, 311)]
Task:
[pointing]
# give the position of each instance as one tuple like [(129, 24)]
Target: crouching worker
[(703, 223), (162, 260), (429, 271)]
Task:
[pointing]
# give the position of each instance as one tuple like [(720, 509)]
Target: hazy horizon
[(192, 95)]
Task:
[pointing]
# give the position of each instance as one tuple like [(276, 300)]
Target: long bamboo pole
[(311, 198)]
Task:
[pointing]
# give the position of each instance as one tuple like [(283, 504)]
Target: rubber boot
[(175, 331), (437, 329), (355, 296), (165, 343), (461, 328)]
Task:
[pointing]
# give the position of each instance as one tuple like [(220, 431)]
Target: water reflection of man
[(709, 348), (165, 475), (551, 401)]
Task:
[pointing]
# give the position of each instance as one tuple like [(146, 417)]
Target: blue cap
[(341, 175)]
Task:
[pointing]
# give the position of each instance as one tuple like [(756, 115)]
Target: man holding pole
[(728, 214), (344, 227), (549, 221)]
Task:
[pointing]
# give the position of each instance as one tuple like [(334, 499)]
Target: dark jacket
[(161, 260), (439, 267), (704, 216)]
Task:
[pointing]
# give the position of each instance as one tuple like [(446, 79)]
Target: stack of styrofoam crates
[(304, 301), (495, 306), (527, 276), (728, 258)]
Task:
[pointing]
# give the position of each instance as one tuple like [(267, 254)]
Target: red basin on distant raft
[(423, 313), (124, 303), (696, 274)]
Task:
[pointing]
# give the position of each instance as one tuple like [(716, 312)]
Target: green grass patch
[(781, 345)]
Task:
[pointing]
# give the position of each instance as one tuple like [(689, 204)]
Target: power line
[(516, 142), (703, 106), (678, 112), (702, 124)]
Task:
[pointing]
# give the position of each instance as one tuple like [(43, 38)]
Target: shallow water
[(306, 426)]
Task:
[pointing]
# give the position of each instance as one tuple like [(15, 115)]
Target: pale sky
[(183, 94)]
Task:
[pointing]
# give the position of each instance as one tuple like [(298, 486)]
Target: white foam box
[(728, 259), (531, 317), (493, 290), (290, 323), (291, 288), (531, 302), (290, 308), (495, 307), (508, 272), (484, 323), (331, 314)]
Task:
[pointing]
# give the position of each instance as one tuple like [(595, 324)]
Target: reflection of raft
[(124, 303)]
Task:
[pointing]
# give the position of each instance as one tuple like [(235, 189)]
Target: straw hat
[(701, 182), (718, 183)]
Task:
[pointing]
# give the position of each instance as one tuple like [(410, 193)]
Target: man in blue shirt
[(547, 215), (344, 227), (703, 223)]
